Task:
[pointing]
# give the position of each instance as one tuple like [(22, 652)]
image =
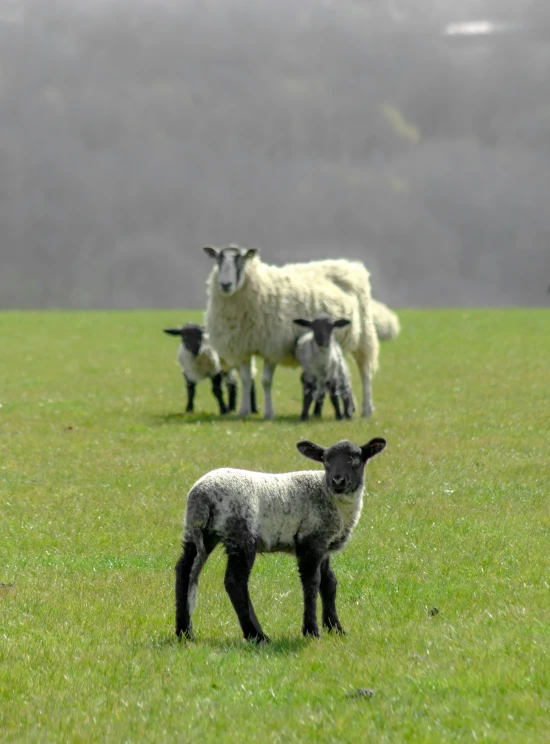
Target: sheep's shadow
[(284, 646), (184, 419)]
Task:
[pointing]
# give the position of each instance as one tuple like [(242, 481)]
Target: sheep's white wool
[(257, 319), (276, 508), (386, 321), (197, 368)]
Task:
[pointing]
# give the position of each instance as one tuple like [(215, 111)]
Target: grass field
[(96, 458)]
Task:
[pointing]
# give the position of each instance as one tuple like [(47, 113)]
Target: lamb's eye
[(356, 462)]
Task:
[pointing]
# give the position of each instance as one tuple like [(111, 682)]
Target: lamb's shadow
[(285, 646)]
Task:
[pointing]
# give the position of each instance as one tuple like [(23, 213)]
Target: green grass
[(96, 458)]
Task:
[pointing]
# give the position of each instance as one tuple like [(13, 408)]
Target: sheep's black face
[(344, 462), (231, 262), (322, 327), (192, 335)]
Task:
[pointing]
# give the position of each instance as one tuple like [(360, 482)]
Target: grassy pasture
[(96, 458)]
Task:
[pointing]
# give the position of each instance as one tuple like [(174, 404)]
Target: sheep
[(386, 321), (199, 360), (251, 306), (309, 513), (324, 366)]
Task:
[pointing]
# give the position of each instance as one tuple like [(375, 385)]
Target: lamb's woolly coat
[(257, 319), (277, 509), (197, 368), (324, 366)]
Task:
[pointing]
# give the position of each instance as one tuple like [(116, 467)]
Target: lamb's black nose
[(338, 482), (226, 286)]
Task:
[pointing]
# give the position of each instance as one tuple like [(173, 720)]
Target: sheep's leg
[(327, 590), (309, 567), (348, 405), (253, 403), (335, 402), (218, 393), (307, 397), (365, 364), (317, 411), (231, 384), (239, 566), (188, 568), (246, 379), (190, 395), (267, 380)]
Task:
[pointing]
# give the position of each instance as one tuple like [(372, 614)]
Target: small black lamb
[(324, 366), (199, 360), (310, 513)]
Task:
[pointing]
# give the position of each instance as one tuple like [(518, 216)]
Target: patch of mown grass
[(96, 457)]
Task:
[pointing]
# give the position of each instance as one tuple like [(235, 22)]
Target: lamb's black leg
[(348, 405), (317, 411), (309, 566), (218, 393), (307, 390), (231, 392), (253, 403), (327, 590), (190, 395), (239, 566), (335, 402), (183, 570)]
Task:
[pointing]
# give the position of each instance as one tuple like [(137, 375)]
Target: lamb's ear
[(211, 251), (311, 450), (302, 322), (372, 448), (341, 322), (251, 252), (173, 331)]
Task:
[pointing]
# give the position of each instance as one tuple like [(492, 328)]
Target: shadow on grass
[(280, 646), (182, 419)]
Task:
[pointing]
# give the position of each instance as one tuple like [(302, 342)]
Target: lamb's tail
[(386, 321), (196, 568)]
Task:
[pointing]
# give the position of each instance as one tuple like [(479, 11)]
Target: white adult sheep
[(251, 306), (310, 513), (325, 369), (386, 321)]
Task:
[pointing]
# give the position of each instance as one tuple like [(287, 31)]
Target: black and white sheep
[(324, 367), (199, 360), (309, 513), (251, 306)]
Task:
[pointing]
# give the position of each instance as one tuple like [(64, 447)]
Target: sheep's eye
[(356, 462)]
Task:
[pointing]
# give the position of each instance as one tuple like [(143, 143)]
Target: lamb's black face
[(231, 262), (322, 327), (344, 462), (192, 335)]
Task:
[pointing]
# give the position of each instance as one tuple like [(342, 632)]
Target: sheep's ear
[(341, 322), (311, 450), (372, 448), (251, 252), (211, 251), (302, 322), (173, 331)]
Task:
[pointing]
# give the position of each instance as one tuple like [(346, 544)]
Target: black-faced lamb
[(324, 367), (309, 513), (251, 306), (199, 360)]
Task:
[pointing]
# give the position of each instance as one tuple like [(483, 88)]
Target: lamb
[(386, 321), (199, 360), (251, 306), (324, 366), (308, 513)]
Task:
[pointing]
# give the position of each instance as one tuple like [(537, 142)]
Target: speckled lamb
[(308, 513)]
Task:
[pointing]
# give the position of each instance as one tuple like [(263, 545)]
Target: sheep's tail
[(386, 321)]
